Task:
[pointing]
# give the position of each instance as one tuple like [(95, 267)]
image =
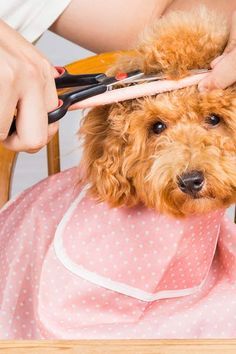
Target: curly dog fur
[(129, 161)]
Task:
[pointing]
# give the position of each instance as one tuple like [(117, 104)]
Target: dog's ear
[(104, 141)]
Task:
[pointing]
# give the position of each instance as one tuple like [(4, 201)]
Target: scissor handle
[(66, 79), (67, 99)]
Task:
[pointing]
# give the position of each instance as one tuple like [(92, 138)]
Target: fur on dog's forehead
[(185, 105)]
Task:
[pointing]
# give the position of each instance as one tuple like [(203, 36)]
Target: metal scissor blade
[(137, 78), (141, 77), (200, 71), (129, 78), (121, 78), (161, 76), (148, 78)]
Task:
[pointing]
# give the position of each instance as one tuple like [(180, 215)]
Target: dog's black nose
[(191, 182)]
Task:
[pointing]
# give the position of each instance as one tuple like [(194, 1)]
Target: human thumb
[(223, 72), (222, 75)]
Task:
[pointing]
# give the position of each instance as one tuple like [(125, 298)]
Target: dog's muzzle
[(191, 182)]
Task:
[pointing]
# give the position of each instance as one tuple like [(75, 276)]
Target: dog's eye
[(213, 119), (158, 127)]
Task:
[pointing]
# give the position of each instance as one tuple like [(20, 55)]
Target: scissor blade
[(120, 78), (136, 77), (147, 78), (160, 76), (141, 77)]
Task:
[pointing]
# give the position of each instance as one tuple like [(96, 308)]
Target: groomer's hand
[(27, 88), (223, 67)]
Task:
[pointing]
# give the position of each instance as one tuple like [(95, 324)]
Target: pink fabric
[(140, 90), (72, 268)]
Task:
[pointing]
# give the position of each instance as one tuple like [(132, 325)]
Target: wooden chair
[(97, 63)]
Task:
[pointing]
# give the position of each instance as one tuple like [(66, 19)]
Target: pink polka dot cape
[(73, 268)]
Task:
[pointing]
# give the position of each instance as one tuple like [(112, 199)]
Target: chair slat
[(7, 162)]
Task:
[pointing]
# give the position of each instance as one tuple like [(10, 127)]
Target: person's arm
[(224, 67), (106, 25), (26, 85)]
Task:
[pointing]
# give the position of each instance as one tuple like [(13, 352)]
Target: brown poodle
[(176, 151)]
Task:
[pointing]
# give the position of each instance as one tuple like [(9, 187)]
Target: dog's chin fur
[(127, 163)]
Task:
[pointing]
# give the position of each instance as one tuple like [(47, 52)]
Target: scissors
[(83, 86), (80, 87)]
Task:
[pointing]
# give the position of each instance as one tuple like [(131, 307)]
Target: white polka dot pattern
[(137, 247), (41, 299)]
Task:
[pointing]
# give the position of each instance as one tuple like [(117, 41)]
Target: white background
[(32, 168)]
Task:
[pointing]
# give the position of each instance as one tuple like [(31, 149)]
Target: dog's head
[(174, 152)]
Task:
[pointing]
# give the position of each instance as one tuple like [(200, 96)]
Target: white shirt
[(31, 17)]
